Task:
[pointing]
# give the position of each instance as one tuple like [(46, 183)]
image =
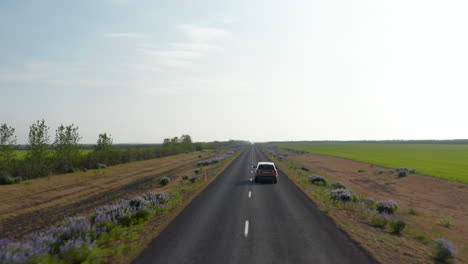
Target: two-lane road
[(236, 221)]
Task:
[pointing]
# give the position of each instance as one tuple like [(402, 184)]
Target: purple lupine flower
[(155, 198), (387, 206), (444, 249), (342, 195), (316, 179), (5, 242), (216, 159)]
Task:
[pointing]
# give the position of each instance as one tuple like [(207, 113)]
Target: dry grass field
[(39, 203)]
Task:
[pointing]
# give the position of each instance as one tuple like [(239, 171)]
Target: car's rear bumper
[(266, 178)]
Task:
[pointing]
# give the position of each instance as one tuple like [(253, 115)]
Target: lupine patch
[(317, 179), (387, 206), (342, 195), (216, 159), (444, 250), (74, 240)]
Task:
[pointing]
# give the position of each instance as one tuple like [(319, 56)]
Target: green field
[(444, 161), (20, 154)]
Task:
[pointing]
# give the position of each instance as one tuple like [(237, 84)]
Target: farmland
[(443, 161)]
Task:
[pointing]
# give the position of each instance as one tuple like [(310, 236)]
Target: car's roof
[(265, 162)]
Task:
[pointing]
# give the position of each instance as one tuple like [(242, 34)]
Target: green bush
[(379, 220), (397, 224), (185, 177), (446, 222), (77, 256), (195, 179), (125, 220), (196, 171), (338, 185), (164, 181), (142, 215), (5, 178), (412, 211)]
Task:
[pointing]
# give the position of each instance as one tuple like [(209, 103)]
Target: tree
[(67, 149), (7, 147), (104, 142), (186, 141), (37, 161)]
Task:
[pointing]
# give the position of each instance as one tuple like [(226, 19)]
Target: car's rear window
[(266, 167)]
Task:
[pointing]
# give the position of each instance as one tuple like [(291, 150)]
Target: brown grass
[(432, 198)]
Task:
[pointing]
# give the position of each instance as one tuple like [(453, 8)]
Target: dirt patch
[(433, 199)]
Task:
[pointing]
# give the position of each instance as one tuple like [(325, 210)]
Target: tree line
[(63, 154)]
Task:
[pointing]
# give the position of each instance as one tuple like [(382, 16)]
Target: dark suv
[(266, 171)]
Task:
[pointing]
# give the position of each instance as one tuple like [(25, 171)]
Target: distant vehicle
[(266, 171)]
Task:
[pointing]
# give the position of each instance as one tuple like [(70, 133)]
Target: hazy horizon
[(250, 70)]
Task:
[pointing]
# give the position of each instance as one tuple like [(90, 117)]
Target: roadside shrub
[(397, 224), (444, 250), (446, 222), (185, 177), (342, 195), (361, 170), (338, 185), (196, 171), (195, 179), (412, 211), (402, 172), (142, 214), (387, 206), (379, 220), (304, 168), (6, 179), (318, 180), (164, 181), (412, 171)]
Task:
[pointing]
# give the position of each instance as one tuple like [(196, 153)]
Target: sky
[(257, 70)]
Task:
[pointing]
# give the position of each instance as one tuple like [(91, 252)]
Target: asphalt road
[(236, 221)]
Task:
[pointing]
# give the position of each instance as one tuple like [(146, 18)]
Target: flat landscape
[(445, 161), (432, 207), (47, 200)]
